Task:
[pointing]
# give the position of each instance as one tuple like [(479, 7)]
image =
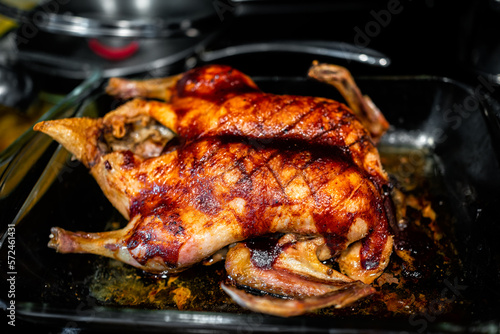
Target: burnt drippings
[(423, 240), (214, 83), (417, 249)]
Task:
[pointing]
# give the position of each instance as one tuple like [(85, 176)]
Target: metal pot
[(70, 38), (113, 18)]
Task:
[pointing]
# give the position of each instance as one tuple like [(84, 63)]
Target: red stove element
[(113, 52)]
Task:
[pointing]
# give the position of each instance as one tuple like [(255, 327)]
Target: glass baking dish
[(443, 145)]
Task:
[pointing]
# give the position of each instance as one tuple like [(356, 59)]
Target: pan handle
[(332, 49)]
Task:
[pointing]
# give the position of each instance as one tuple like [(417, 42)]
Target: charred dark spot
[(107, 165), (206, 202), (154, 246), (174, 227), (373, 246), (133, 243), (369, 264), (180, 112), (336, 242), (151, 201), (265, 251), (173, 144), (128, 160), (180, 230), (420, 248), (168, 252)]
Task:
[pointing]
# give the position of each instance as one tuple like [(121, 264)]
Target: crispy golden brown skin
[(219, 100), (186, 204), (298, 172)]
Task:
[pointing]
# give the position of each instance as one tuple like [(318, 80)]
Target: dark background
[(445, 38)]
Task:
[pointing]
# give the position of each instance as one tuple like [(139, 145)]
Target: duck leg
[(108, 244), (158, 88), (206, 82)]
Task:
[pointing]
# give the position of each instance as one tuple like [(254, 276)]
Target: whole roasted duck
[(282, 183)]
